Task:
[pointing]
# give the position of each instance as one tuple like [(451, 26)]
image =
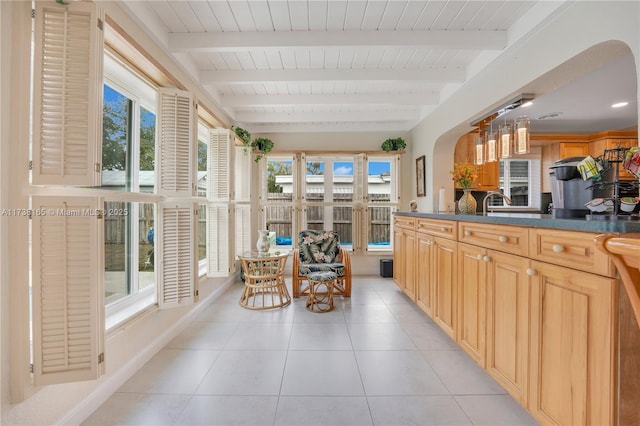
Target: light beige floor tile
[(270, 336), (408, 312), (320, 336), (361, 313), (383, 336), (323, 410), (460, 374), (331, 373), (245, 373), (138, 409), (416, 410), (229, 411), (174, 371), (428, 336), (494, 410), (387, 373), (204, 335)]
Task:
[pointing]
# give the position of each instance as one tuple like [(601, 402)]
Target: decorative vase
[(263, 241), (467, 204)]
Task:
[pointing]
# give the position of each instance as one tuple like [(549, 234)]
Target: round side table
[(264, 285), (321, 291)]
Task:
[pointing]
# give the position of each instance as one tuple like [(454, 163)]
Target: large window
[(351, 195), (128, 168)]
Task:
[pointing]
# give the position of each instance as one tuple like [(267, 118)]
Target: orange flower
[(463, 174)]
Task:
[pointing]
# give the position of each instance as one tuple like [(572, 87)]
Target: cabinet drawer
[(441, 228), (575, 250), (510, 239), (404, 221)]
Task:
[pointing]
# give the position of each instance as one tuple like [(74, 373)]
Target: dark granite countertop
[(535, 220)]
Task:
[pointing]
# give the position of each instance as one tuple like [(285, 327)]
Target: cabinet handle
[(531, 272), (503, 239), (443, 229), (479, 256), (557, 248), (486, 258), (467, 233)]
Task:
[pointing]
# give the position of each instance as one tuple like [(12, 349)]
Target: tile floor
[(375, 360)]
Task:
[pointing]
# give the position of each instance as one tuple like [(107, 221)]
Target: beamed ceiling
[(306, 65)]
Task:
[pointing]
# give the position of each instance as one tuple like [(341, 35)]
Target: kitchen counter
[(535, 220)]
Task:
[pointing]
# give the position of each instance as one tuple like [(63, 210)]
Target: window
[(128, 166), (520, 181), (351, 195)]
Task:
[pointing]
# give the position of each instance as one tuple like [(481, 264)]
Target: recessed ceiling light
[(619, 104)]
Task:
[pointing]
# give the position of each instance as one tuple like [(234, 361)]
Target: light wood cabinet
[(425, 290), (507, 307), (535, 307), (572, 347), (574, 149), (444, 280), (404, 241), (472, 284), (488, 173)]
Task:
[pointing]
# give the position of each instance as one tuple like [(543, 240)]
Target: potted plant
[(263, 146), (394, 144), (244, 136)]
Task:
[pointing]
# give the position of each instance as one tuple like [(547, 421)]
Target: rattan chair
[(320, 251)]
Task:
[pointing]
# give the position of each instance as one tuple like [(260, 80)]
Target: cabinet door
[(488, 176), (471, 327), (409, 264), (399, 258), (424, 282), (622, 143), (444, 279), (508, 322), (572, 352), (574, 149)]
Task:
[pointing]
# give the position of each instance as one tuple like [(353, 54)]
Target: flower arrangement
[(463, 174)]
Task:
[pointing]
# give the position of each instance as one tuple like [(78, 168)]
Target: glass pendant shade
[(521, 133), (479, 151), (504, 136), (491, 147)]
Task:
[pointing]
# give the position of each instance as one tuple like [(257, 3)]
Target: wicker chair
[(320, 251)]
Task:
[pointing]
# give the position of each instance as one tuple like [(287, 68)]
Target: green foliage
[(147, 140), (202, 156), (263, 146), (276, 169), (314, 168), (394, 144), (244, 135), (114, 135)]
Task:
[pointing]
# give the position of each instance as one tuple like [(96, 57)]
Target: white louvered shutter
[(360, 179), (177, 243), (176, 143), (67, 124), (218, 243), (219, 159), (242, 228), (242, 179), (360, 198), (68, 297)]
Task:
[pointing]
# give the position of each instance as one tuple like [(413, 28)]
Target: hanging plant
[(263, 146), (394, 144), (244, 136)]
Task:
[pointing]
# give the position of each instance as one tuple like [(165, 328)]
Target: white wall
[(526, 67)]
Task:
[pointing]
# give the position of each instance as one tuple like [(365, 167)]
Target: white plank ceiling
[(318, 65)]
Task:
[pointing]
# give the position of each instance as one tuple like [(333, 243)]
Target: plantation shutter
[(360, 179), (218, 244), (360, 198), (219, 158), (242, 180), (243, 228), (67, 94), (176, 143), (177, 241), (68, 298)]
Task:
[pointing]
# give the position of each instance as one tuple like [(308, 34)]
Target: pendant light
[(504, 136), (521, 134), (479, 150), (491, 146)]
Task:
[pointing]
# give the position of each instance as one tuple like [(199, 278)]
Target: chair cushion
[(318, 246), (337, 268), (322, 276)]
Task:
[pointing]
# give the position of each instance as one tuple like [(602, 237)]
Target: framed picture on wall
[(420, 178)]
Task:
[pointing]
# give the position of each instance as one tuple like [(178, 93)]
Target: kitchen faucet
[(485, 201)]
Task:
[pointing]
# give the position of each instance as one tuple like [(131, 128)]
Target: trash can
[(386, 268)]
